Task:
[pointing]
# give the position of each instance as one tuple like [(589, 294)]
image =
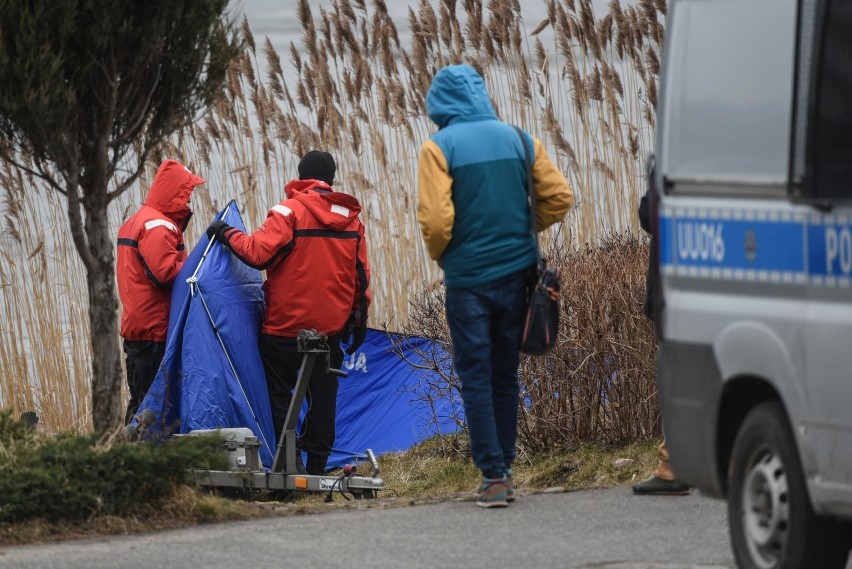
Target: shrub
[(67, 477), (597, 385)]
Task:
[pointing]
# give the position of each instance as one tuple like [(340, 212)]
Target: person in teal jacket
[(475, 219)]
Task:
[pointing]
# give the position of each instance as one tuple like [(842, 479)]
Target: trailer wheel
[(772, 524), (365, 494)]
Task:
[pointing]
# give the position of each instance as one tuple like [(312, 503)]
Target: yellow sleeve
[(435, 210), (553, 195)]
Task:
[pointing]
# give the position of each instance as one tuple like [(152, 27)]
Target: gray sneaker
[(492, 493), (510, 486)]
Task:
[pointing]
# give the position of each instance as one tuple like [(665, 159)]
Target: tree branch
[(127, 182), (78, 233), (40, 173), (139, 123)]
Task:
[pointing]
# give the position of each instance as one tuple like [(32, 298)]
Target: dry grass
[(424, 475), (187, 507), (429, 470), (358, 92)]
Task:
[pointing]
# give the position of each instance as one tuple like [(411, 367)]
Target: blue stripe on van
[(830, 249), (712, 244)]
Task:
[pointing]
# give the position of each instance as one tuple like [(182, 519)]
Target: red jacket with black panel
[(151, 252), (313, 249)]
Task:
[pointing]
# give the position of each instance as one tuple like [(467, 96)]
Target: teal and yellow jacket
[(472, 174)]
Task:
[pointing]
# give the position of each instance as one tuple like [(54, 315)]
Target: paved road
[(604, 529)]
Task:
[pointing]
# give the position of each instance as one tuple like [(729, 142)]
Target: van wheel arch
[(739, 396)]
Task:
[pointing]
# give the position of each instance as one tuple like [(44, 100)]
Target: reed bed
[(585, 84)]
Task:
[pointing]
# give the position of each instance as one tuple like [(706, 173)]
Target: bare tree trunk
[(107, 375)]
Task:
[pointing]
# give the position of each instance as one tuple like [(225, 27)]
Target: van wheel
[(770, 517)]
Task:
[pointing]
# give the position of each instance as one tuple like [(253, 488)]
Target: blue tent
[(212, 375), (382, 405)]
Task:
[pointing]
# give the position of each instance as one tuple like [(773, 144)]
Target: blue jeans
[(485, 325)]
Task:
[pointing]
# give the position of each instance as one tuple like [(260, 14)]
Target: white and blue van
[(753, 173)]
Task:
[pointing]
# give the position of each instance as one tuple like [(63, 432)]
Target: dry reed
[(351, 87)]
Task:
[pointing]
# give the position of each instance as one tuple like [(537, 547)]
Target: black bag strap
[(530, 193)]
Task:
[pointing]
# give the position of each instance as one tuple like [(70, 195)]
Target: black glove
[(359, 332), (346, 334), (218, 229)]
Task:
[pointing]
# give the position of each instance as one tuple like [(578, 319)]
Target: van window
[(728, 113), (830, 130)]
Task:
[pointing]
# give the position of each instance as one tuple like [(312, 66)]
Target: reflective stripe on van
[(754, 245)]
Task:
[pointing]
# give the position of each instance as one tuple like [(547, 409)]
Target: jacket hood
[(172, 189), (458, 94), (334, 210)]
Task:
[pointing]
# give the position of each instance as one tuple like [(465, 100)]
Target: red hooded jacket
[(151, 252), (313, 248)]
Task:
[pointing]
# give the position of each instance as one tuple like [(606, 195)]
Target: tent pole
[(233, 369), (193, 280)]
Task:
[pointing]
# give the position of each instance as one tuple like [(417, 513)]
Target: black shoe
[(657, 486), (316, 464)]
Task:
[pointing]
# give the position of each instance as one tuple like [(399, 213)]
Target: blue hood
[(458, 94)]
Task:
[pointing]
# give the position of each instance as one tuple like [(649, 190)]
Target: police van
[(753, 217)]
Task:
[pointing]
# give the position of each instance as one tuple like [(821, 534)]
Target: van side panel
[(828, 378), (755, 285), (723, 132), (689, 393)]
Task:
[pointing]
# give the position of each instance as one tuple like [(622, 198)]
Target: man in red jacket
[(313, 249), (150, 254)]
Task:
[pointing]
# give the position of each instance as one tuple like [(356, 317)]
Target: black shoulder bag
[(541, 323)]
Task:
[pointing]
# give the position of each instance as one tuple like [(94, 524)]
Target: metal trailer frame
[(284, 474)]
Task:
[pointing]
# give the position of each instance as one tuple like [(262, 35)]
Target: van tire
[(772, 524)]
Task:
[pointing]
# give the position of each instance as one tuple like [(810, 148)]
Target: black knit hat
[(317, 165)]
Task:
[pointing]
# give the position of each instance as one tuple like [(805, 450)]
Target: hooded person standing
[(663, 481), (150, 254), (313, 249), (475, 219)]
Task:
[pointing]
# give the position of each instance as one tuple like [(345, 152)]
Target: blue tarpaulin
[(212, 375), (381, 404)]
